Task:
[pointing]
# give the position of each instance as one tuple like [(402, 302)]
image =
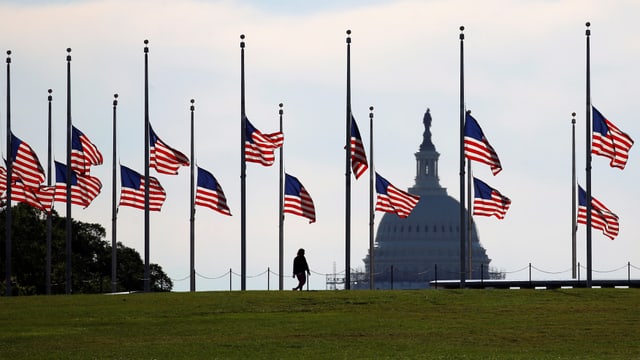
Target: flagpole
[(114, 208), (192, 207), (49, 217), (347, 273), (147, 285), (243, 175), (68, 176), (371, 208), (469, 222), (588, 154), (9, 175), (573, 197), (281, 213), (463, 229)]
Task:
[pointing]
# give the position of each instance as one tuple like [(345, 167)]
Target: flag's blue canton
[(61, 174), (129, 178)]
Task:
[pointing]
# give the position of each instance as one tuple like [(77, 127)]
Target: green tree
[(90, 263)]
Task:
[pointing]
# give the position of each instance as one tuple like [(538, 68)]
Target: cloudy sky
[(524, 75)]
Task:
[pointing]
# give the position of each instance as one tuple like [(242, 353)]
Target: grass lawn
[(418, 324)]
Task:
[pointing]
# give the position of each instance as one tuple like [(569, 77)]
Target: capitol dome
[(411, 252)]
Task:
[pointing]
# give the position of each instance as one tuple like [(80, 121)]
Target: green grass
[(427, 324)]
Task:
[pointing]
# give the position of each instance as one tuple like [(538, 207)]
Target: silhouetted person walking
[(300, 266)]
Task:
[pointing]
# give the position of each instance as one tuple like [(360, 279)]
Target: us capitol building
[(411, 252)]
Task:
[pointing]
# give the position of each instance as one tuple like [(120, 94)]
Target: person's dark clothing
[(300, 270), (300, 264)]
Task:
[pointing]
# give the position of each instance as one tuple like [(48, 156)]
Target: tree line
[(91, 257)]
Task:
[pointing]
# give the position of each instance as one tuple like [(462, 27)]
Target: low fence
[(389, 277)]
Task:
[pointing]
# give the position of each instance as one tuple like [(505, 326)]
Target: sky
[(524, 76)]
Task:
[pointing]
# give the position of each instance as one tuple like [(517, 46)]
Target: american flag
[(26, 165), (132, 191), (40, 198), (84, 153), (609, 141), (393, 200), (358, 156), (258, 147), (209, 193), (601, 217), (84, 188), (488, 201), (162, 157), (297, 200), (477, 147)]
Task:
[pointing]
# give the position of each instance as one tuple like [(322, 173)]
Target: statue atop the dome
[(426, 136)]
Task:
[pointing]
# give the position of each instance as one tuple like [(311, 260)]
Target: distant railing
[(335, 280)]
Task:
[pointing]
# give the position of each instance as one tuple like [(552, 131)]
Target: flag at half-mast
[(84, 153), (488, 201), (133, 187), (358, 156), (209, 193), (40, 198), (297, 200), (609, 141), (164, 158), (258, 147), (601, 217), (393, 200), (26, 165), (477, 147), (84, 188)]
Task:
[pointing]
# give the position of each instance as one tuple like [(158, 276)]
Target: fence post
[(629, 273), (578, 271), (436, 274), (529, 274), (391, 277), (230, 274)]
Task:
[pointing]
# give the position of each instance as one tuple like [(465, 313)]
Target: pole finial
[(68, 54), (371, 112), (588, 31), (573, 115), (146, 45), (49, 97), (8, 52), (348, 36), (115, 99), (242, 40), (192, 101), (281, 111), (461, 33)]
